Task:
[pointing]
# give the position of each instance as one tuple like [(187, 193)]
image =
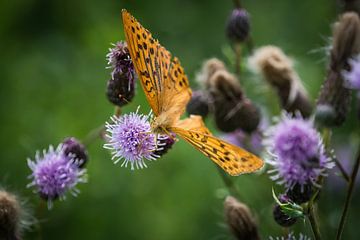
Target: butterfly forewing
[(151, 60)]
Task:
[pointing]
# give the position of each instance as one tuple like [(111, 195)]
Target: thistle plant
[(297, 145)]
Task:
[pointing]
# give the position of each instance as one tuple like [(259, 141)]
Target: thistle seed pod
[(10, 216), (240, 220), (232, 109), (208, 69), (277, 69), (334, 97)]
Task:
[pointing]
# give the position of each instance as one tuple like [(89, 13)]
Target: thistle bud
[(10, 216), (300, 193), (232, 109), (164, 144), (238, 25), (78, 151), (121, 87), (199, 104), (240, 220), (280, 217), (333, 94), (277, 69)]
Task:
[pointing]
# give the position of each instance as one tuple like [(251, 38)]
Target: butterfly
[(167, 90)]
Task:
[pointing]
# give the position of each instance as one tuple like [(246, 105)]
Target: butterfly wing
[(231, 158), (163, 80)]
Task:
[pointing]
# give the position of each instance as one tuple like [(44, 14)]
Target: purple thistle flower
[(55, 173), (291, 236), (297, 151), (119, 59), (352, 77), (130, 139)]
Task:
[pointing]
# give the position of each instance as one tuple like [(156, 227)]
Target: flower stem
[(237, 49), (237, 3), (342, 170), (313, 221), (229, 183), (348, 196)]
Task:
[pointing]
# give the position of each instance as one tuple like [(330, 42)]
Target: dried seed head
[(346, 40), (10, 216), (208, 69), (199, 104), (277, 69), (333, 95), (238, 25), (240, 220), (232, 109)]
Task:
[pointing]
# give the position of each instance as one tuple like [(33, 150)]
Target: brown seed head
[(10, 212)]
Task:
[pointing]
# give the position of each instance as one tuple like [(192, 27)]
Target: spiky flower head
[(130, 139), (297, 151), (54, 174), (121, 87), (291, 236), (352, 77)]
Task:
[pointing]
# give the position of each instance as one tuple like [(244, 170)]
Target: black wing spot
[(152, 51), (145, 45), (132, 29), (144, 35), (138, 36)]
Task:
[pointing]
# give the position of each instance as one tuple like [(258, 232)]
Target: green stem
[(237, 49), (229, 183), (348, 196), (237, 3), (313, 221)]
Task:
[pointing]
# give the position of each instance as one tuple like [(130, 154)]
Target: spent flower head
[(54, 173), (297, 151), (130, 139)]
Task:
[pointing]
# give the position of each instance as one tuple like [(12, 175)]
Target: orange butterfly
[(167, 90)]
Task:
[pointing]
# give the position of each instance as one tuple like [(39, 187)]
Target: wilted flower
[(55, 173), (121, 86), (209, 68), (334, 97), (240, 220), (280, 217), (278, 70), (297, 151), (73, 147), (352, 77), (291, 236), (238, 25), (232, 109), (10, 216), (130, 139)]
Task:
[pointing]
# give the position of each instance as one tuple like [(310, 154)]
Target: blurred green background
[(53, 79)]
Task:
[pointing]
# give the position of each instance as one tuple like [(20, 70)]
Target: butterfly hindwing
[(231, 158)]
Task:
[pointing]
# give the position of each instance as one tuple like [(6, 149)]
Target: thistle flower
[(55, 173), (121, 86), (352, 77), (238, 25), (278, 70), (297, 152), (72, 146), (291, 236), (280, 217), (130, 139), (300, 193), (240, 220), (10, 216), (199, 104), (334, 97)]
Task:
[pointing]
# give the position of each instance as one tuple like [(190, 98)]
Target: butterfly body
[(167, 90)]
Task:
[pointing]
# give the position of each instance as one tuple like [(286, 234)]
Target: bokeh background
[(53, 77)]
